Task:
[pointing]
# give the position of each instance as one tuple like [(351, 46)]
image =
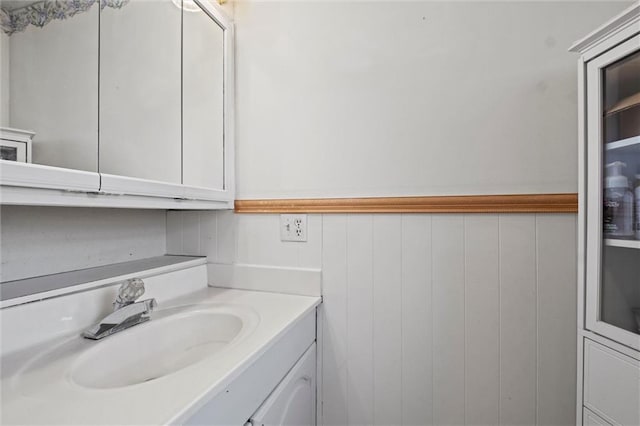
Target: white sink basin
[(194, 349), (155, 349)]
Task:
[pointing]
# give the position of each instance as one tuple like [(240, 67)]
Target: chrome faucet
[(126, 311)]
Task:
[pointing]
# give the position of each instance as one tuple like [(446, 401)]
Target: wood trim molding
[(525, 203)]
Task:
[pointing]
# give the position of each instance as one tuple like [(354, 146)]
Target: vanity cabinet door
[(140, 91), (293, 402)]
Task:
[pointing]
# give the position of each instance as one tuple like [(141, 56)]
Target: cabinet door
[(611, 384), (591, 419), (202, 99), (293, 401), (613, 194), (49, 90), (140, 90)]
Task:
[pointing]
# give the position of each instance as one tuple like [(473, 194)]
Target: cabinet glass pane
[(620, 284)]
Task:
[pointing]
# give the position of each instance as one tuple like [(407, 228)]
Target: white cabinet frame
[(594, 179)]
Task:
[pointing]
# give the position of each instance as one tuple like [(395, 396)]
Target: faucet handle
[(129, 291)]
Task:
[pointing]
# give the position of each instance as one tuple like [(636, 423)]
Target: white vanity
[(608, 385), (119, 116), (208, 356)]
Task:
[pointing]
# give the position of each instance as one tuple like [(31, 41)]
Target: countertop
[(34, 390)]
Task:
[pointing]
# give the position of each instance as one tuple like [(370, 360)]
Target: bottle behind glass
[(636, 220), (618, 203)]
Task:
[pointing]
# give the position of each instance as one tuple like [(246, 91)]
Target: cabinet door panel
[(140, 90), (611, 384), (591, 419), (293, 401), (49, 77), (203, 100)]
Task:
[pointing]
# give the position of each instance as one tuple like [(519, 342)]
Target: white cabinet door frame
[(594, 188)]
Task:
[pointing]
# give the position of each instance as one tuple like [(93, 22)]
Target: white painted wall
[(37, 241), (375, 98)]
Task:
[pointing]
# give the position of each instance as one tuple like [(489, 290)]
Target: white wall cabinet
[(293, 402), (165, 138), (609, 223)]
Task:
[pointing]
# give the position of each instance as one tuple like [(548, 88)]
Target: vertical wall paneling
[(174, 232), (310, 253), (187, 232), (387, 318), (556, 244), (334, 293), (427, 319), (191, 233), (518, 330), (360, 319), (448, 320), (226, 233), (258, 242), (417, 360), (209, 235), (482, 320)]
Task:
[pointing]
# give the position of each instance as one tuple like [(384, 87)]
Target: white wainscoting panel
[(556, 243), (449, 319), (387, 323), (518, 322), (482, 319), (334, 329), (417, 306), (443, 319), (252, 239), (360, 316)]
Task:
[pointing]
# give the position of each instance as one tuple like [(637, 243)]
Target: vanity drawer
[(611, 384)]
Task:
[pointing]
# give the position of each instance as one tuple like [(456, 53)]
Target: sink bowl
[(155, 349)]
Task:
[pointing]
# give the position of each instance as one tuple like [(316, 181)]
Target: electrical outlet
[(293, 227)]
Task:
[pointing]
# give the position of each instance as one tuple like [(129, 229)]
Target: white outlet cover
[(293, 227)]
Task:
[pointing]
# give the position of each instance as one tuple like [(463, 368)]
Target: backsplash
[(46, 240)]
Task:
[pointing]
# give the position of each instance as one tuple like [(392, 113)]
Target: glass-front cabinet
[(613, 194)]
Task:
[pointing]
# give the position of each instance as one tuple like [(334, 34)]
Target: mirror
[(49, 79), (132, 88), (202, 98), (140, 90)]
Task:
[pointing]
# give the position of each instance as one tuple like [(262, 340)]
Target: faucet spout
[(127, 313)]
